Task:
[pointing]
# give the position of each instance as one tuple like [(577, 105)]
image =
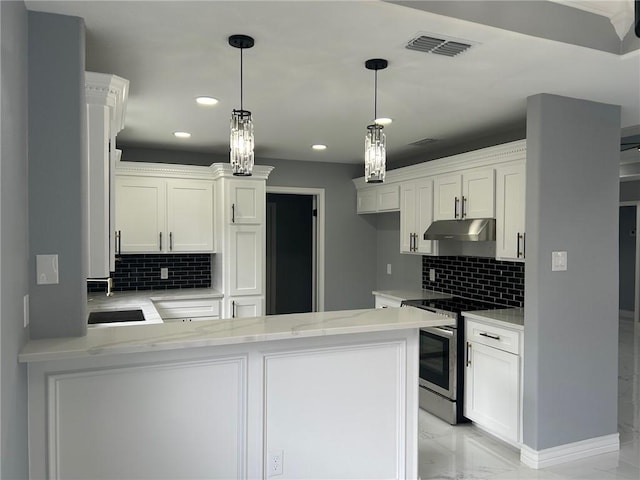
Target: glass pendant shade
[(375, 154), (241, 142)]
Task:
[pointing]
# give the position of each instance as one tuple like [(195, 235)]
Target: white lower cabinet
[(492, 379), (188, 310), (243, 307)]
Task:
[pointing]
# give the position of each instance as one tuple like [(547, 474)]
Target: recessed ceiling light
[(181, 134), (383, 121), (207, 101), (319, 146)]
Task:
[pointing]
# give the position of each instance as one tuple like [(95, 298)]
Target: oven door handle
[(438, 331)]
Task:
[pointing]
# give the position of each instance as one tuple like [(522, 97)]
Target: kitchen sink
[(113, 316)]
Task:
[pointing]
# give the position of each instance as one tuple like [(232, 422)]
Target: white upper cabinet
[(106, 97), (246, 201), (246, 255), (157, 215), (190, 215), (510, 211), (469, 194), (140, 214), (416, 214), (379, 198)]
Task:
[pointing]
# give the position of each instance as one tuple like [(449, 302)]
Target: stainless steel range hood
[(470, 230)]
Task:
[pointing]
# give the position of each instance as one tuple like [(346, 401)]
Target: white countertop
[(171, 336), (512, 317), (142, 299), (401, 295)]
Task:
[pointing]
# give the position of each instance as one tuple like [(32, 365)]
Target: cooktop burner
[(453, 304)]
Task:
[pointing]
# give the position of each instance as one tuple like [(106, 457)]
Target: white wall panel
[(184, 420), (360, 390)]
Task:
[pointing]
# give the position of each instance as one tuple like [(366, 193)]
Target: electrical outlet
[(164, 273), (388, 269), (432, 274), (275, 464)]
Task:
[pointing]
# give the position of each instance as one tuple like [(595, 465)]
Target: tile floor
[(466, 453)]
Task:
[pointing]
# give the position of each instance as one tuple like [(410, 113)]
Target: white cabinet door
[(246, 199), (446, 200), (416, 214), (388, 198), (140, 214), (189, 215), (424, 216), (491, 390), (245, 307), (407, 217), (510, 212), (367, 201), (478, 194), (246, 258)]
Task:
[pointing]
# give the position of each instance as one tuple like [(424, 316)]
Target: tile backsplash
[(476, 277), (142, 272)]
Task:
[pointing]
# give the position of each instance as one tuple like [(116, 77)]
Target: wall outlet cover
[(558, 261), (47, 270), (164, 273)]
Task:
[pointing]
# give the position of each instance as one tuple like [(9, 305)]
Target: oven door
[(438, 360)]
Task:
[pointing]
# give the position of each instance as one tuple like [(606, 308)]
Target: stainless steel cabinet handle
[(412, 239), (468, 354), (415, 242), (518, 246), (170, 240), (488, 335), (455, 207), (160, 241), (524, 245), (119, 240), (233, 213), (233, 309), (463, 214)]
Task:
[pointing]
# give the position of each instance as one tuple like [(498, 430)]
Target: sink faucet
[(109, 282)]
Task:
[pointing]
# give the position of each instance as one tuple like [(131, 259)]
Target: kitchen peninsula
[(230, 398)]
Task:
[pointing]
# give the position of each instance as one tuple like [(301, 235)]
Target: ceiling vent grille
[(424, 141), (438, 46)]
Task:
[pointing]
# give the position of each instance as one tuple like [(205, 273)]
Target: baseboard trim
[(626, 313), (569, 452)]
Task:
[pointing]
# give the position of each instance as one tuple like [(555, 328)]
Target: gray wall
[(13, 239), (571, 327), (350, 239), (406, 269), (57, 172), (627, 245)]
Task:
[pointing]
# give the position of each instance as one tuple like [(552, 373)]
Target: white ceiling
[(305, 80)]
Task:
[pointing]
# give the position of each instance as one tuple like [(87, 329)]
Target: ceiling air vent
[(424, 141), (440, 46)]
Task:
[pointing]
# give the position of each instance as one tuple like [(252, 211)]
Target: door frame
[(636, 302), (318, 267)]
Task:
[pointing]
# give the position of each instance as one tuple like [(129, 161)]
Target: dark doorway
[(290, 253)]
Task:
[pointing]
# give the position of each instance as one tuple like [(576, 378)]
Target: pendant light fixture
[(375, 143), (241, 140)]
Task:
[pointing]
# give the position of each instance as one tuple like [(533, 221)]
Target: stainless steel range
[(441, 357)]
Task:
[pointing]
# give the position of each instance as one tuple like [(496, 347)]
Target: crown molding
[(108, 90), (212, 172)]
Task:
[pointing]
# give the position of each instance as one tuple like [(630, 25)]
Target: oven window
[(434, 359)]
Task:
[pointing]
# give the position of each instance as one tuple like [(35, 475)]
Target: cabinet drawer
[(179, 309), (493, 336)]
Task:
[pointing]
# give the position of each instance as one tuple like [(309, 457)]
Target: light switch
[(388, 269), (558, 261), (164, 273), (47, 269)]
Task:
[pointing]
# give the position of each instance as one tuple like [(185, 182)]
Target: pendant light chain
[(375, 96), (241, 77)]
